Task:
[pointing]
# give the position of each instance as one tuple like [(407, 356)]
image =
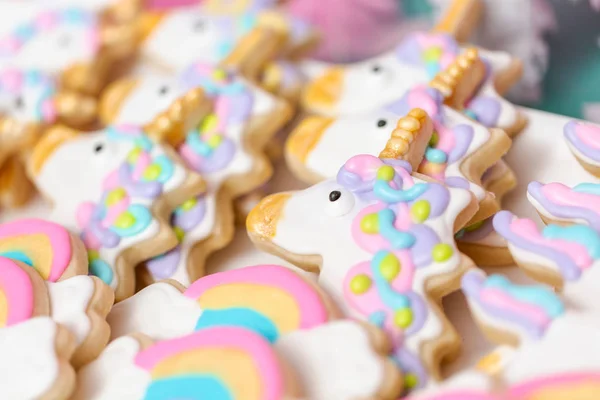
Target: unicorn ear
[(461, 79), (508, 313), (410, 138), (460, 18)]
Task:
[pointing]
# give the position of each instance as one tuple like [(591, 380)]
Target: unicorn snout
[(264, 217)]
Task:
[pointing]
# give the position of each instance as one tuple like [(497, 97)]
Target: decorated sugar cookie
[(237, 41), (122, 188), (584, 141), (372, 84), (70, 43), (115, 10), (285, 309), (217, 363), (563, 256), (545, 329), (482, 244), (459, 152), (377, 234)]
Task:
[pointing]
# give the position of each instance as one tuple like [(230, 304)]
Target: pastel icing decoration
[(27, 95), (221, 363), (369, 85), (530, 309), (18, 294), (268, 299), (380, 232), (483, 244), (583, 140), (560, 203), (118, 178)]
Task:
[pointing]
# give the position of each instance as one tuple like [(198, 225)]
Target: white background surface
[(538, 153)]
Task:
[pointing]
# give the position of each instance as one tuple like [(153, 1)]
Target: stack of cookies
[(152, 132)]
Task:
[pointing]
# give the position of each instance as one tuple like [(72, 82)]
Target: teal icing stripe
[(398, 239), (581, 234), (18, 256), (392, 299), (166, 168), (589, 188), (386, 193), (538, 295), (143, 218), (188, 387), (102, 270), (240, 317)]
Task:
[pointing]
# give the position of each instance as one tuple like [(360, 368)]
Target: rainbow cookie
[(561, 204), (216, 363), (377, 235), (71, 44), (565, 257), (236, 41), (583, 140), (226, 147), (535, 319), (122, 188), (459, 151), (285, 309), (372, 84)]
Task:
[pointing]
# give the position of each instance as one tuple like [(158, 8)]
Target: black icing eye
[(376, 68), (381, 123), (335, 195), (19, 103), (98, 148), (163, 90), (198, 26)]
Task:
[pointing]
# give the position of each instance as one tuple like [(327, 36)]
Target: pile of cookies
[(154, 133)]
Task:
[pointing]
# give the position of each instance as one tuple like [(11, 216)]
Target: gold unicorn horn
[(410, 138), (461, 79), (460, 19)]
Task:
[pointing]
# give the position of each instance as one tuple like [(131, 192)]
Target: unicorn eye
[(19, 103), (98, 148), (340, 202), (163, 90), (376, 68), (381, 123), (198, 26)]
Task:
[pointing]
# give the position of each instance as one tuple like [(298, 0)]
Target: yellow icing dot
[(209, 123), (180, 233), (93, 255), (403, 318), (360, 284), (420, 211), (410, 381), (125, 220), (115, 196), (370, 224), (435, 138), (133, 155), (390, 267), (386, 173), (433, 54), (189, 204), (474, 226), (215, 141), (219, 75), (442, 252), (152, 172)]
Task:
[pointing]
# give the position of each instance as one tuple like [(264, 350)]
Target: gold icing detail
[(407, 129), (263, 218), (113, 98), (53, 139), (326, 90), (305, 137), (148, 22), (448, 80)]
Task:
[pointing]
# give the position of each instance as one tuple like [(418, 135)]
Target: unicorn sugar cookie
[(217, 363), (458, 154), (565, 257), (226, 148), (583, 140), (70, 44), (235, 41), (372, 84), (278, 304), (122, 189), (383, 242), (552, 338), (16, 189)]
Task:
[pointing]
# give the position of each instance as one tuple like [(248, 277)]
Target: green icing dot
[(442, 252), (435, 138), (370, 224), (114, 196), (152, 172), (390, 267), (432, 54), (209, 123), (360, 284), (189, 204), (410, 381), (386, 173), (420, 211), (180, 233), (125, 220), (403, 318), (215, 141)]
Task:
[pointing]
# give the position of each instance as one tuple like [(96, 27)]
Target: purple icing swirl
[(568, 268), (486, 110), (410, 364), (190, 219), (138, 188), (463, 135), (164, 266), (426, 239), (570, 133)]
